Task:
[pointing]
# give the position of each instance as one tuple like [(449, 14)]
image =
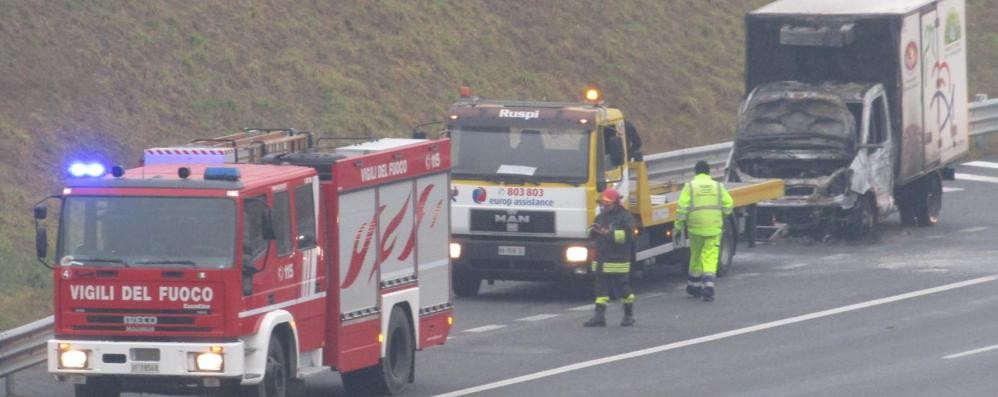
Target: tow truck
[(235, 266), (525, 180)]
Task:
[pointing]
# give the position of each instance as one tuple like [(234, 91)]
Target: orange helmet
[(609, 195)]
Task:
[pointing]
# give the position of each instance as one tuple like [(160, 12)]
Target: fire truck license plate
[(512, 250), (145, 368)]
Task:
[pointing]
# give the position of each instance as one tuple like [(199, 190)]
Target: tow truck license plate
[(145, 368), (512, 250)]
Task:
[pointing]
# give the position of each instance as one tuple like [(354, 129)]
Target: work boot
[(708, 294), (599, 319), (628, 319), (693, 291)]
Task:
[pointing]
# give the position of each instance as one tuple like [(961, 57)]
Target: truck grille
[(512, 221)]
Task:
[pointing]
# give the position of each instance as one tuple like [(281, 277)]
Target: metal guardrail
[(24, 346)]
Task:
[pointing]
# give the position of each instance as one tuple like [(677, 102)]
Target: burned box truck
[(860, 106)]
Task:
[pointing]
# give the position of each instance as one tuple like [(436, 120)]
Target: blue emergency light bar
[(221, 174), (81, 169)]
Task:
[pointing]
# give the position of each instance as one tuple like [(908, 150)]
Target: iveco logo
[(512, 221)]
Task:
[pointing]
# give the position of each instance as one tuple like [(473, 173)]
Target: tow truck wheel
[(466, 284), (726, 252), (275, 377), (395, 370), (98, 387)]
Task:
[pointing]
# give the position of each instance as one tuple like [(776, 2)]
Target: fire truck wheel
[(275, 377), (98, 387), (395, 370)]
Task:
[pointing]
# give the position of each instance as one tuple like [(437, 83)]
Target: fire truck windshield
[(524, 154), (147, 231)]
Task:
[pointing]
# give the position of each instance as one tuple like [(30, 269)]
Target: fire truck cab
[(236, 278)]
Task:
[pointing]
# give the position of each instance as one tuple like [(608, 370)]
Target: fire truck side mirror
[(41, 212), (41, 243)]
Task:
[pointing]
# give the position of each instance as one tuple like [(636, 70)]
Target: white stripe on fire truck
[(281, 305)]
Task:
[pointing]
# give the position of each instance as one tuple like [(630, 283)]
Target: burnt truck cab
[(832, 145)]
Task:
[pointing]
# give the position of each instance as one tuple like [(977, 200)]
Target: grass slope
[(107, 78)]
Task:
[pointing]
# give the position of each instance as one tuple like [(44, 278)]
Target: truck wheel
[(726, 252), (393, 373), (98, 387), (275, 377), (466, 284), (930, 200), (862, 219)]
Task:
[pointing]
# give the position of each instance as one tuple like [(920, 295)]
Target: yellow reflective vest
[(703, 204)]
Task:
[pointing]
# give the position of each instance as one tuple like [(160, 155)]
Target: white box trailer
[(859, 105)]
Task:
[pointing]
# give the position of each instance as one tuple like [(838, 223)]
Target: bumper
[(521, 260), (145, 359), (804, 212)]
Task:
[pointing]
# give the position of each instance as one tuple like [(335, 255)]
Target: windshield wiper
[(166, 262), (102, 260)]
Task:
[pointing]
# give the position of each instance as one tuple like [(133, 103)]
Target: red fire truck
[(236, 266)]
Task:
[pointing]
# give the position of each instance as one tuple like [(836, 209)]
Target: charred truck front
[(859, 106)]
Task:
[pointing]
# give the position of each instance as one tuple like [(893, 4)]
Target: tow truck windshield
[(147, 232), (520, 154)]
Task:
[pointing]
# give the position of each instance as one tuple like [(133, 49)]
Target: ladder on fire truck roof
[(248, 146)]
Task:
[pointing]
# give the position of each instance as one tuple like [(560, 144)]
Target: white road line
[(714, 337), (973, 229), (947, 189), (835, 257), (582, 308), (792, 267), (485, 328), (969, 352), (982, 164), (651, 295), (976, 178), (538, 317)]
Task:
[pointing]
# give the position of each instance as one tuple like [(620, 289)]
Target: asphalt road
[(909, 314)]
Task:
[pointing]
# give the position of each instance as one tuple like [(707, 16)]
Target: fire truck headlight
[(74, 359), (455, 250), (576, 254), (209, 361)]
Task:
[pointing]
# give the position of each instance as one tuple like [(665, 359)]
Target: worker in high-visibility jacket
[(703, 205), (612, 234)]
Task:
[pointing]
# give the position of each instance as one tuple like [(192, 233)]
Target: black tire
[(726, 251), (394, 372), (466, 284), (275, 377), (930, 202), (98, 387), (862, 219)]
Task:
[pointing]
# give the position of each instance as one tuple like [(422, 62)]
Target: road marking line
[(836, 256), (792, 267), (651, 295), (714, 337), (582, 308), (976, 178), (485, 328), (973, 229), (538, 317), (969, 352), (947, 189), (982, 164)]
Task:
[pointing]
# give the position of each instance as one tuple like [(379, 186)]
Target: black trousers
[(620, 283)]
